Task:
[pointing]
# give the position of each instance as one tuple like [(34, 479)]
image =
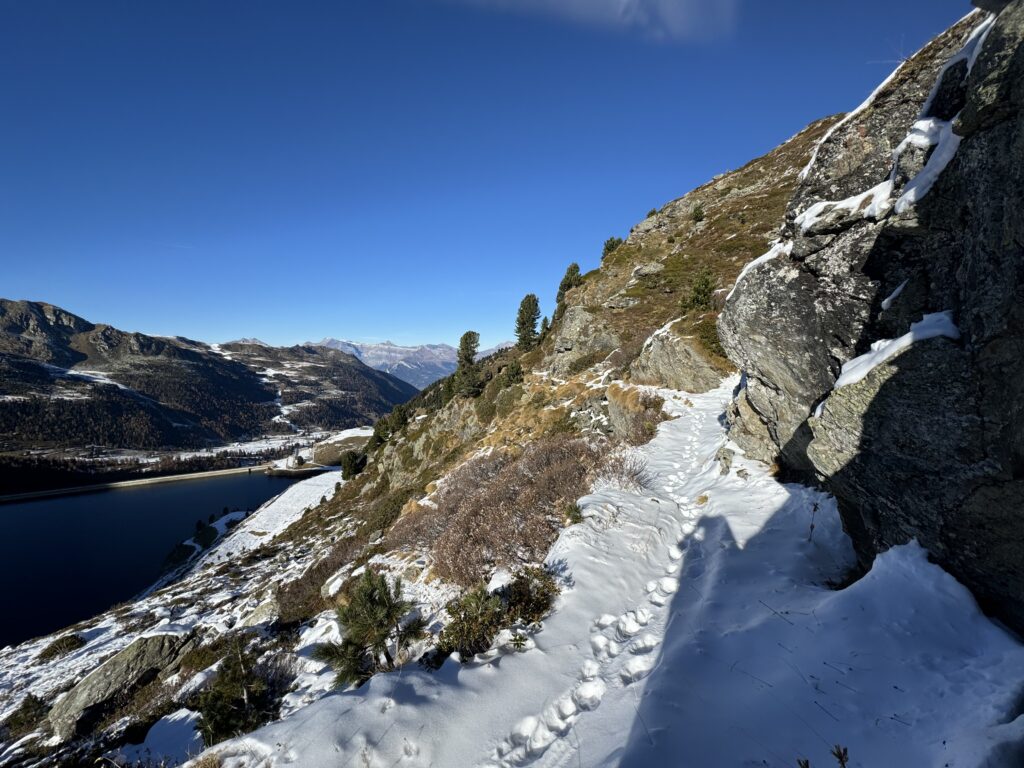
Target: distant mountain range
[(65, 381), (419, 365)]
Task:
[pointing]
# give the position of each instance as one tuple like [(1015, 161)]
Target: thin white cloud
[(660, 19)]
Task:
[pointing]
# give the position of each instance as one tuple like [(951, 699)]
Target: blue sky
[(402, 169)]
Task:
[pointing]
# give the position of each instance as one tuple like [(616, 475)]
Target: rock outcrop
[(669, 359), (580, 338), (910, 208), (136, 665)]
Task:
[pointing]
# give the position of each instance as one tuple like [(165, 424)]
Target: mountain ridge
[(70, 382), (419, 364)]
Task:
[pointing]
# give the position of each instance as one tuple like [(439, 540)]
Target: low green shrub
[(530, 595), (475, 618), (352, 463), (478, 616), (29, 715), (377, 636), (245, 694), (702, 291)]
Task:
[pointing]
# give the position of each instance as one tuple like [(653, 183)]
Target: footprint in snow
[(628, 625), (603, 648), (631, 622), (589, 670), (644, 644), (667, 585), (588, 694), (637, 668)]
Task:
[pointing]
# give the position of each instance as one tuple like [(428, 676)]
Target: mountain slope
[(66, 381), (710, 613)]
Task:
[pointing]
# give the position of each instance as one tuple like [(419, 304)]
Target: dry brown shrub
[(626, 470), (504, 509), (636, 413)]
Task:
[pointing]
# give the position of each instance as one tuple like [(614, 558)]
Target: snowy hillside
[(699, 628)]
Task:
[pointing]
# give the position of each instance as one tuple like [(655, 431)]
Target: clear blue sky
[(371, 169)]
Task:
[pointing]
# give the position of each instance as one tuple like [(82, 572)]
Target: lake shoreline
[(97, 487)]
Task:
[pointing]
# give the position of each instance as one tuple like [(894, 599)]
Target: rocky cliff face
[(881, 339)]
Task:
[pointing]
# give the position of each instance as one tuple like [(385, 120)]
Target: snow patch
[(929, 327), (697, 634), (171, 740), (271, 519), (874, 203)]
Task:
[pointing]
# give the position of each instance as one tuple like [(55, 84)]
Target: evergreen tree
[(610, 245), (352, 463), (375, 635), (398, 418), (571, 279), (513, 374), (468, 346), (467, 376), (702, 291), (244, 695), (545, 326), (526, 322)]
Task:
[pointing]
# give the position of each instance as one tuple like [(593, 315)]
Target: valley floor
[(698, 628)]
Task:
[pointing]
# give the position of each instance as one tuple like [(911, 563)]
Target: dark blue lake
[(68, 558)]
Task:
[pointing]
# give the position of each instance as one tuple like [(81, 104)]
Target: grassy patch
[(29, 716), (61, 647)]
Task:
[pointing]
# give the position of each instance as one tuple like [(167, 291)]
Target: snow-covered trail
[(699, 630)]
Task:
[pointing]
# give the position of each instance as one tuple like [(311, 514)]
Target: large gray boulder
[(930, 444), (669, 359), (132, 667)]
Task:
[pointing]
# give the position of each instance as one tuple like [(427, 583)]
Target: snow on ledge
[(928, 132), (880, 197), (929, 327), (947, 143)]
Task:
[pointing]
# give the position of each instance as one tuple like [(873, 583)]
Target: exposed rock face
[(581, 335), (930, 443), (136, 665), (668, 359)]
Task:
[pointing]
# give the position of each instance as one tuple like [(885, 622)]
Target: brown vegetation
[(502, 509), (637, 413)]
